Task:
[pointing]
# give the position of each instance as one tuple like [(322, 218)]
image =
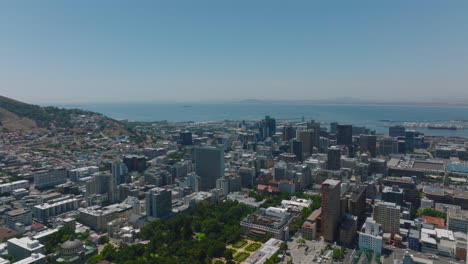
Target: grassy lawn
[(240, 244), (241, 256), (253, 247)]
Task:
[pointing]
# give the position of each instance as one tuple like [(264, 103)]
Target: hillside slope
[(16, 115), (13, 122)]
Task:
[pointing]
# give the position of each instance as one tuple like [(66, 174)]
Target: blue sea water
[(359, 115)]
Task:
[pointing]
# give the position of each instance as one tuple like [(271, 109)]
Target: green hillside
[(43, 116)]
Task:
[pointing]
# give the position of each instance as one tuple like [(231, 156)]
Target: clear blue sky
[(109, 50)]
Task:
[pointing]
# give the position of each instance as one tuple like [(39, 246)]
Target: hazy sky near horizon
[(110, 50)]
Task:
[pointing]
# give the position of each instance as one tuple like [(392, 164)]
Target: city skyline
[(115, 51)]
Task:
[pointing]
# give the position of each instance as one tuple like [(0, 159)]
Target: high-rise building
[(457, 220), (370, 237), (393, 194), (158, 202), (409, 140), (388, 145), (296, 148), (312, 125), (344, 135), (99, 184), (135, 162), (368, 143), (49, 178), (247, 176), (331, 190), (333, 126), (334, 158), (307, 139), (267, 127), (209, 165), (186, 138), (119, 173), (388, 215), (396, 131), (288, 132)]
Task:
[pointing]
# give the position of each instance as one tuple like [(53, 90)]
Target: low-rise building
[(21, 216), (35, 258), (11, 186), (311, 226), (49, 178), (55, 207), (274, 221), (265, 252), (21, 248), (97, 217), (438, 241)]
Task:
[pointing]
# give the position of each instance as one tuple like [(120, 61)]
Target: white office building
[(370, 237), (50, 178), (23, 247), (11, 186), (80, 173)]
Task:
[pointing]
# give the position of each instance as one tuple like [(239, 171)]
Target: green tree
[(103, 240)]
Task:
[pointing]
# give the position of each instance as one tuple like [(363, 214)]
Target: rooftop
[(272, 217), (437, 221), (458, 213), (26, 242)]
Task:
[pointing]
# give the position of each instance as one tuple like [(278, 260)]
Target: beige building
[(388, 215)]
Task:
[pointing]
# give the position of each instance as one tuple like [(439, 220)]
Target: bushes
[(339, 253), (431, 212)]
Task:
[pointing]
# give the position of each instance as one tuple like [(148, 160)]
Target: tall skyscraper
[(388, 215), (288, 132), (388, 145), (331, 190), (209, 165), (312, 125), (296, 148), (344, 135), (334, 158), (247, 176), (267, 127), (409, 140), (158, 202), (396, 131), (119, 172), (185, 138), (368, 143), (307, 139), (333, 126), (100, 184)]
